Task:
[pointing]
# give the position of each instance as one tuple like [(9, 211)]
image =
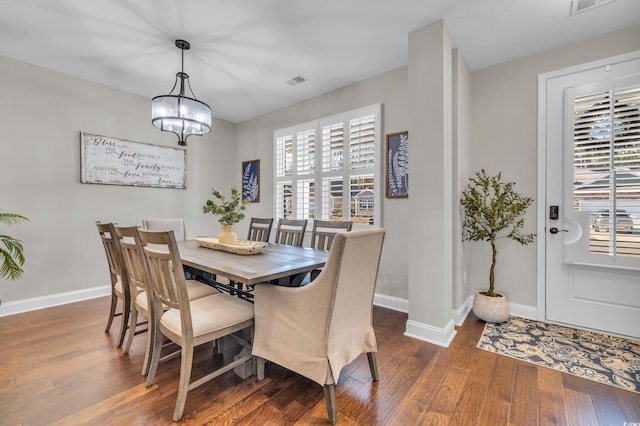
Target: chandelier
[(180, 114)]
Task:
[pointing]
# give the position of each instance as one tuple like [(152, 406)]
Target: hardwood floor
[(57, 366)]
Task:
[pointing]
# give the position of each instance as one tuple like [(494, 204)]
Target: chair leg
[(148, 351), (373, 365), (112, 311), (186, 361), (330, 399), (260, 368), (125, 323), (149, 344), (155, 356), (133, 321)]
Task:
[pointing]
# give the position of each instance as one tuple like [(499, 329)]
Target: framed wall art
[(397, 165), (251, 180), (111, 161)]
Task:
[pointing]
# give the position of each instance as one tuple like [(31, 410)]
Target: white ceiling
[(243, 51)]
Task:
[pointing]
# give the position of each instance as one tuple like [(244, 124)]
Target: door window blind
[(607, 168)]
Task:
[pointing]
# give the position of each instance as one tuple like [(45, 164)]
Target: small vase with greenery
[(11, 249), (230, 212), (493, 209)]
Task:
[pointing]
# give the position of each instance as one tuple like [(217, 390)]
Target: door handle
[(555, 230)]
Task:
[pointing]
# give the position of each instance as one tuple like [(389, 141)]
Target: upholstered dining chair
[(322, 236), (188, 323), (120, 289), (135, 263), (318, 329), (291, 232), (260, 229), (177, 225)]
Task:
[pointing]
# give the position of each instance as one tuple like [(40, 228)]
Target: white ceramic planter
[(491, 309)]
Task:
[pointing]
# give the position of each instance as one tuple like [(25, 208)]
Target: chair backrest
[(353, 260), (291, 232), (260, 229), (114, 255), (166, 276), (324, 231), (132, 255), (177, 225)]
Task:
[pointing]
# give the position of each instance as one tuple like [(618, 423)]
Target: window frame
[(320, 208)]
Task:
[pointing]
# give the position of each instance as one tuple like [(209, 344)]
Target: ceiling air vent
[(297, 80), (579, 6)]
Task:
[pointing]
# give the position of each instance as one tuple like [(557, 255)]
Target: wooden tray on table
[(244, 247)]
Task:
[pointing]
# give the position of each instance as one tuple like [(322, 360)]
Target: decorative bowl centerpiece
[(239, 247)]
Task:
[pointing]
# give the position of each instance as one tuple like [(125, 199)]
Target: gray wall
[(42, 114), (504, 120), (255, 141)]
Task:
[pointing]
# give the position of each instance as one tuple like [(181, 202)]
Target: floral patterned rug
[(605, 359)]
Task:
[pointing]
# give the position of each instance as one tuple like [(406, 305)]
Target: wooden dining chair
[(323, 234), (324, 231), (318, 329), (291, 232), (135, 263), (188, 323), (177, 225), (260, 229), (120, 289)]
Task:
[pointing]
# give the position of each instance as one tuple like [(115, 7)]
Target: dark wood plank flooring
[(57, 366)]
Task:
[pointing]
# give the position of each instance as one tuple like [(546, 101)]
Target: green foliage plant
[(493, 210), (11, 249), (230, 211)]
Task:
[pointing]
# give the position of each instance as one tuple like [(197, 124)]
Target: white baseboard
[(428, 333), (417, 330), (26, 305), (438, 336), (523, 311), (460, 314), (391, 302)]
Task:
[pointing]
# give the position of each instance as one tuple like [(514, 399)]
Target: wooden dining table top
[(274, 261)]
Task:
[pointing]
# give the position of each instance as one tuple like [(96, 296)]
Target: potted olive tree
[(493, 210), (11, 250), (230, 212)]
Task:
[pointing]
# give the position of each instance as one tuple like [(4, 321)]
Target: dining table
[(276, 263)]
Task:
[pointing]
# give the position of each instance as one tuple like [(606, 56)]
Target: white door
[(591, 137)]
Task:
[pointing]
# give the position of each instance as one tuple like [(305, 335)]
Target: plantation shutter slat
[(306, 143)]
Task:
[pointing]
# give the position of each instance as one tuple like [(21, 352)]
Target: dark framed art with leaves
[(397, 165), (251, 181)]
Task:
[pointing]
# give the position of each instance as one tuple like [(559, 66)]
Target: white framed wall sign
[(111, 161)]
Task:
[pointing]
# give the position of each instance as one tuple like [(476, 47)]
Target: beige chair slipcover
[(318, 329), (177, 225)]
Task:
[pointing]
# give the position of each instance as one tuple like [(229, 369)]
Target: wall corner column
[(430, 198)]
